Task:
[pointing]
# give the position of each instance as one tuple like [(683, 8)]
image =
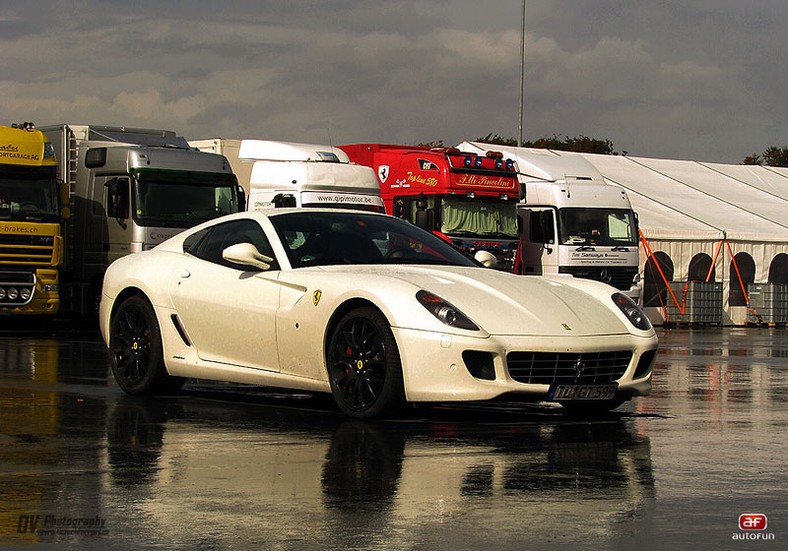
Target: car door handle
[(185, 274)]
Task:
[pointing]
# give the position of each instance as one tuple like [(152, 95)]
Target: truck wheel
[(364, 367), (135, 346)]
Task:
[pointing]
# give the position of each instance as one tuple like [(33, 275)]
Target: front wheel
[(364, 367), (135, 347)]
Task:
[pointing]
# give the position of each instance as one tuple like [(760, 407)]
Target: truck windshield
[(28, 193), (172, 199), (603, 227), (479, 217)]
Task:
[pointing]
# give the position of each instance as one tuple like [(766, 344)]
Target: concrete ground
[(83, 466)]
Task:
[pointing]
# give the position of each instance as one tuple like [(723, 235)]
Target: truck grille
[(617, 276), (26, 249), (544, 368)]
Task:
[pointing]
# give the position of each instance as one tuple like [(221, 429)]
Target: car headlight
[(632, 311), (445, 312)]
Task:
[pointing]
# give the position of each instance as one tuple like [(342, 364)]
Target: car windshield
[(354, 237)]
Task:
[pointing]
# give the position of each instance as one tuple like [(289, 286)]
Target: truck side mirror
[(241, 197), (284, 200), (118, 199), (423, 219), (65, 199), (422, 216)]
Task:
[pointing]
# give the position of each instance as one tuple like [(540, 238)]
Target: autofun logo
[(752, 526)]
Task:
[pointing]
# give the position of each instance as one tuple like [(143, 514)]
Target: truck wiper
[(621, 248), (585, 248)]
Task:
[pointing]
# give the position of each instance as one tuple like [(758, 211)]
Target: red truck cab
[(468, 199)]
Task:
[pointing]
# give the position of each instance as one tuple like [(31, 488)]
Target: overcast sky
[(682, 79)]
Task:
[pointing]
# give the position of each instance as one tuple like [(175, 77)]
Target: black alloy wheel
[(135, 346), (364, 365)]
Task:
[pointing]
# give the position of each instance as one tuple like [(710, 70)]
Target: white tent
[(696, 218)]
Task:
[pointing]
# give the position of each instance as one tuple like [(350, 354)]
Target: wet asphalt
[(82, 466)]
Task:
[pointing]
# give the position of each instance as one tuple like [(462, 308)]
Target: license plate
[(561, 393)]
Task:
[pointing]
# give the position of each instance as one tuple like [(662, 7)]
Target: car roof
[(273, 212)]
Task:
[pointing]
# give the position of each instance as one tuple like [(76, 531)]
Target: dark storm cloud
[(685, 79)]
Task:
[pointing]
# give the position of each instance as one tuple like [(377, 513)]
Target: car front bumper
[(435, 369)]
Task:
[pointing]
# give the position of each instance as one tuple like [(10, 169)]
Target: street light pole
[(522, 79)]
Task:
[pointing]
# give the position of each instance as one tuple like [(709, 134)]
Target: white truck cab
[(575, 223), (276, 174)]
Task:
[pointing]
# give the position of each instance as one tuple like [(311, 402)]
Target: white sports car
[(369, 308)]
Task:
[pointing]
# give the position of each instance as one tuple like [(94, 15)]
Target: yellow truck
[(31, 220)]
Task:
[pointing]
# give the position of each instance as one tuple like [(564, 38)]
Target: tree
[(580, 144), (497, 139), (772, 156), (432, 144)]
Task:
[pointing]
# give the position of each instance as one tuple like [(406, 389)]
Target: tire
[(136, 350), (364, 367)]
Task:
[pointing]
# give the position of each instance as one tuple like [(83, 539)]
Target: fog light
[(2, 293), (12, 293), (25, 293)]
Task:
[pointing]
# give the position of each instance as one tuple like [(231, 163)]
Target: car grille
[(544, 368), (617, 276)]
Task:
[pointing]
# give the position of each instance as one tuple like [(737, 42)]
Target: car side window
[(221, 236), (191, 243)]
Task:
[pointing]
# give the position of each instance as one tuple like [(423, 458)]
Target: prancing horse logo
[(580, 366), (383, 173), (316, 296)]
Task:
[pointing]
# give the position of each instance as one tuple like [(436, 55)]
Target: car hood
[(507, 304)]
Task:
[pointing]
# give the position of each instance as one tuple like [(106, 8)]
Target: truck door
[(116, 194), (538, 248)]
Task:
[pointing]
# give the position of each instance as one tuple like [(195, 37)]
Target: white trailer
[(275, 174), (572, 221)]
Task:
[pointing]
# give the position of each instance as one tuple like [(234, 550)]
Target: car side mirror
[(247, 255), (486, 258)]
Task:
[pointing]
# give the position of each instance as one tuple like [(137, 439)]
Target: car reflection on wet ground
[(224, 466)]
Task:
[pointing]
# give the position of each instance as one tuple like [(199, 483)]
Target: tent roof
[(689, 199)]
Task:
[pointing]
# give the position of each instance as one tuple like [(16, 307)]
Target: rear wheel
[(364, 367), (135, 346)]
